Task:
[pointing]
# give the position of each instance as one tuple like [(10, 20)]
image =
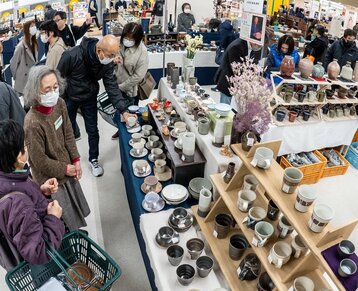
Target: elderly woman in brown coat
[(51, 143)]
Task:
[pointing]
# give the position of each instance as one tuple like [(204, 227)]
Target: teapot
[(250, 268)]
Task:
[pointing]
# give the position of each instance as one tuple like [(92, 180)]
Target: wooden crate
[(336, 170)]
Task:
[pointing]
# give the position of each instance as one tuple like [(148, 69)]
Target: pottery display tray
[(333, 261)]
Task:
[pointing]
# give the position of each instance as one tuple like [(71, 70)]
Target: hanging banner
[(254, 6), (253, 27), (350, 18)]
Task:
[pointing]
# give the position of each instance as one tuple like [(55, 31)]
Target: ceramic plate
[(131, 142), (157, 189), (174, 192), (134, 129), (159, 207), (134, 155), (162, 157), (175, 202), (165, 176), (160, 145)]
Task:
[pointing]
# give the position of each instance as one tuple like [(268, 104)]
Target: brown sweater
[(51, 143)]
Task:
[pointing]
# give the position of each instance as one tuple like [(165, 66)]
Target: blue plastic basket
[(352, 156)]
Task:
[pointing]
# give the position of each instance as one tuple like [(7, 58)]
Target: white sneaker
[(96, 168)]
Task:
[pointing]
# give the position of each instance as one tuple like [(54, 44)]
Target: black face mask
[(348, 43)]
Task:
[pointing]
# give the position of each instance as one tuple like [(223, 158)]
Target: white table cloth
[(165, 273)]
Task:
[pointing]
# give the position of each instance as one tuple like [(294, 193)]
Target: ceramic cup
[(147, 129), (300, 95), (321, 216), (284, 228), (166, 233), (150, 183), (175, 255), (303, 283), (291, 178), (345, 249), (141, 166), (305, 197), (193, 81), (292, 116), (179, 127), (204, 265), (223, 223), (245, 200), (185, 274), (138, 148), (298, 247), (151, 199), (250, 183), (263, 158), (153, 141), (256, 214), (263, 232), (280, 115), (306, 115), (280, 254), (204, 202), (180, 216), (156, 153), (272, 211), (312, 96), (131, 121), (265, 283), (237, 246), (347, 268), (203, 125), (136, 137), (160, 166), (195, 247)]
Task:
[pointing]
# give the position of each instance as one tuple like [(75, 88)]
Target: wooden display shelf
[(342, 118), (338, 100), (294, 102)]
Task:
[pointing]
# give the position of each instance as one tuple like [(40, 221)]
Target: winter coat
[(92, 7), (25, 220), (227, 34), (158, 8), (235, 52), (10, 106), (275, 58), (317, 48), (185, 22), (342, 53), (133, 69), (50, 13), (82, 69), (55, 52), (20, 65)]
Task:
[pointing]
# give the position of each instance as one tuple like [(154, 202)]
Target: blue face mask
[(313, 37)]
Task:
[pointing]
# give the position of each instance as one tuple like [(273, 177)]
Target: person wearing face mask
[(134, 65), (344, 50), (52, 146), (49, 34), (284, 47), (318, 46), (25, 56), (238, 50), (25, 217), (82, 67), (185, 19)]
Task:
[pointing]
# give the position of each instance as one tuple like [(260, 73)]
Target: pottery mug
[(151, 199), (160, 166), (246, 199), (300, 95), (305, 198), (223, 223), (138, 148), (195, 247), (320, 96), (265, 283), (136, 137), (150, 183), (321, 216), (280, 115), (263, 231), (175, 254), (272, 211), (203, 125), (263, 158), (332, 113), (250, 183), (298, 247), (280, 254), (284, 228), (256, 214), (303, 283), (204, 265), (345, 249), (312, 96), (180, 216), (131, 121), (147, 129), (291, 178), (156, 153), (288, 95), (292, 115), (347, 268), (166, 233), (237, 246), (141, 166), (153, 141), (179, 127)]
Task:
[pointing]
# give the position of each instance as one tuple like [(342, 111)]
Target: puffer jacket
[(25, 220), (338, 50), (275, 58), (82, 69)]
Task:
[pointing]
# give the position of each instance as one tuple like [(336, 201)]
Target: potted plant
[(191, 49)]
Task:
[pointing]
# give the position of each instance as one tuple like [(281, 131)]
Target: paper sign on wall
[(254, 6), (253, 28)]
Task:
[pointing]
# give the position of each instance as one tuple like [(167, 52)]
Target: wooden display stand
[(312, 264)]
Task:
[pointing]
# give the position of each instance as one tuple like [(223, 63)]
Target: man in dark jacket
[(318, 46), (121, 4), (83, 66), (93, 10), (236, 52), (10, 106), (344, 50), (158, 12), (70, 33), (50, 12)]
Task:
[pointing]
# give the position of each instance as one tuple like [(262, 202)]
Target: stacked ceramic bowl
[(197, 184), (180, 220), (175, 194)]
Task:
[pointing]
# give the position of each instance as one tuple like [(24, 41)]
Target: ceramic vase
[(355, 72), (174, 77), (187, 63), (318, 71), (287, 67), (248, 139), (306, 67), (170, 66), (347, 72), (229, 172), (333, 70)]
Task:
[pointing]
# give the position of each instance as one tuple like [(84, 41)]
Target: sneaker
[(96, 168), (116, 135)]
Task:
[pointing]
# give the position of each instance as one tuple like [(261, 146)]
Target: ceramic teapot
[(318, 71), (250, 268)]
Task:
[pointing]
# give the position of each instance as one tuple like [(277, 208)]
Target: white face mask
[(187, 10), (128, 43), (106, 60), (44, 38), (50, 99), (33, 30)]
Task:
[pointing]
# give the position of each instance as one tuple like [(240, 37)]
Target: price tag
[(291, 289), (215, 233), (245, 219), (269, 259), (183, 158), (254, 162), (255, 241), (168, 122), (238, 271), (181, 225), (285, 188), (175, 240)]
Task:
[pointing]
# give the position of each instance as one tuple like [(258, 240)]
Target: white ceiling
[(353, 3)]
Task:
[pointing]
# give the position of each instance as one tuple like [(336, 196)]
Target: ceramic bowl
[(133, 108), (222, 109), (211, 106), (197, 184)]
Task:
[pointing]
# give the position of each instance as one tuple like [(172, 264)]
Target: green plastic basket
[(75, 246)]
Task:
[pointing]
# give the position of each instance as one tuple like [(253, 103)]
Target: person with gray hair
[(51, 143)]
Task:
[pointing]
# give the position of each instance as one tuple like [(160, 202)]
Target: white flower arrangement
[(192, 44)]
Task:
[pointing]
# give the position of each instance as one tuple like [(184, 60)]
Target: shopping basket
[(75, 246)]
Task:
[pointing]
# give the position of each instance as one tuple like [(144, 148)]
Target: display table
[(205, 66), (215, 161), (165, 273)]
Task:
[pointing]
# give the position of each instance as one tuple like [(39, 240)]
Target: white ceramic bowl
[(222, 109)]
